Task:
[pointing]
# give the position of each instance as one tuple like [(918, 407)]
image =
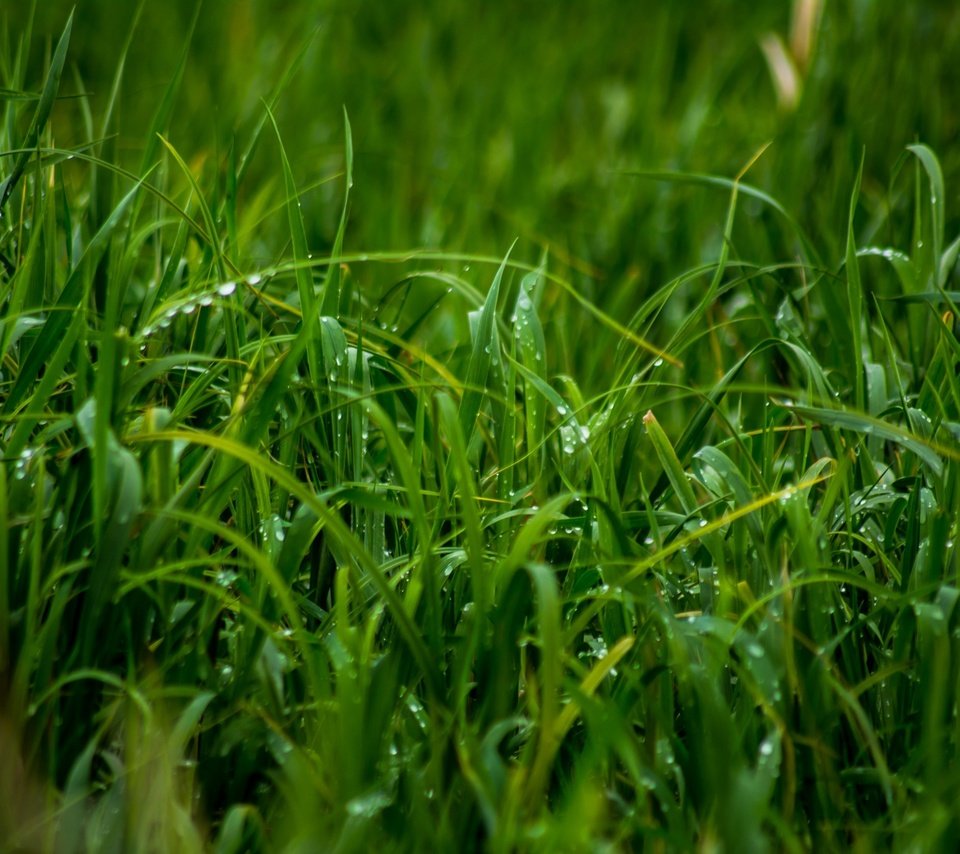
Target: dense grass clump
[(635, 533)]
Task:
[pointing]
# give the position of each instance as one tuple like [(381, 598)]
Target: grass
[(634, 533)]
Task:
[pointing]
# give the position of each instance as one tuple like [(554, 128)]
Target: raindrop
[(227, 288), (22, 463)]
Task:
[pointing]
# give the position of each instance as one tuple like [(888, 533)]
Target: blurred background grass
[(477, 123)]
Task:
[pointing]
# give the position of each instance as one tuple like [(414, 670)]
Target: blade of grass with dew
[(486, 346)]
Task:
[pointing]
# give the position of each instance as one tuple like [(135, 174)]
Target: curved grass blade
[(747, 190), (864, 424)]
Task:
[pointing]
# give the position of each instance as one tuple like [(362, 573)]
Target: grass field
[(530, 427)]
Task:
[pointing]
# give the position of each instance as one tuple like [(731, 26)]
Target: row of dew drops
[(188, 306)]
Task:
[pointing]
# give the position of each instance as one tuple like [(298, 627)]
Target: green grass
[(413, 444)]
